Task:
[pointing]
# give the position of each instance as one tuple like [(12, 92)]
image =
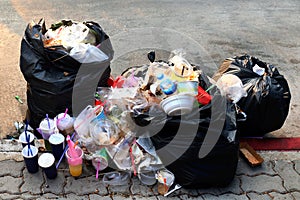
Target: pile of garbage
[(165, 121)]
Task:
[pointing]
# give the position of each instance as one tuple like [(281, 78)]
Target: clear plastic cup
[(47, 130), (75, 164), (65, 123)]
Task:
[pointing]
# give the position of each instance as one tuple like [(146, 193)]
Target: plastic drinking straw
[(47, 117), (97, 170), (27, 137), (132, 161), (65, 113), (65, 150), (76, 143), (58, 119), (165, 184)]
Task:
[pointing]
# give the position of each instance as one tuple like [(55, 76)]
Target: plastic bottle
[(166, 85)]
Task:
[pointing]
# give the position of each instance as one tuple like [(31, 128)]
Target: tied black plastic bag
[(52, 74), (268, 95), (181, 140)]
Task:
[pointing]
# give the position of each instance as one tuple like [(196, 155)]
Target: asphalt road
[(209, 31)]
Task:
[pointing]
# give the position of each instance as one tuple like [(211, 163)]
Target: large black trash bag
[(180, 138), (268, 96), (50, 72), (218, 167)]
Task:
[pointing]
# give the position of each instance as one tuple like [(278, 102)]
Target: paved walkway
[(277, 178)]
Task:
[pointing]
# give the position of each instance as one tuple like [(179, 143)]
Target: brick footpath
[(277, 178)]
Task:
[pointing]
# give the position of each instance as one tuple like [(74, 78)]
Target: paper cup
[(57, 145), (31, 160), (47, 163), (22, 138)]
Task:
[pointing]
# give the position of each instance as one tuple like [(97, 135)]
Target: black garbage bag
[(268, 95), (178, 139), (52, 74)]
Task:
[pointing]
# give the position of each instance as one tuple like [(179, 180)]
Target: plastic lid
[(46, 160), (56, 138), (160, 76)]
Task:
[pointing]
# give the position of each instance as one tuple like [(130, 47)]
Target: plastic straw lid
[(46, 160)]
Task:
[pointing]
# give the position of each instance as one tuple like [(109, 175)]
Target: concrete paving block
[(253, 195), (120, 197), (187, 197), (262, 184), (296, 195), (83, 186), (224, 197), (119, 189), (10, 145), (97, 197), (75, 197), (184, 191), (17, 156), (7, 196), (10, 184), (28, 196), (233, 187), (49, 196), (32, 182), (11, 168), (291, 179), (245, 169), (144, 198), (278, 196), (55, 186), (161, 197), (138, 188), (297, 165)]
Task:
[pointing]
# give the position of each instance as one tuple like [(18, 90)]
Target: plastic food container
[(178, 104), (147, 178)]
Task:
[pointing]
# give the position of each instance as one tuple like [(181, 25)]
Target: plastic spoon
[(177, 186)]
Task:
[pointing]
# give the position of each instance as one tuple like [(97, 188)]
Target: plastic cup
[(165, 181), (47, 163), (147, 178), (100, 160), (45, 130), (75, 164), (22, 138), (31, 160), (57, 145), (65, 124)]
